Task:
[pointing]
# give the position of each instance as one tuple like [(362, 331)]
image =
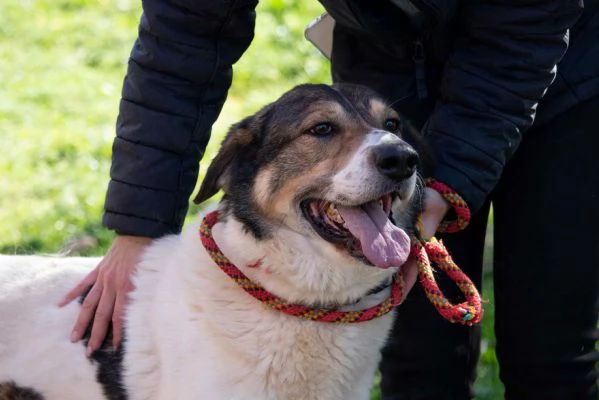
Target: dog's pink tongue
[(384, 244)]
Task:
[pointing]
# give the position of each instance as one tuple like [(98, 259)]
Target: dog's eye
[(391, 124), (322, 129)]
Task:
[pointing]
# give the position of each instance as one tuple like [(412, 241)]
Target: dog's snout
[(395, 162)]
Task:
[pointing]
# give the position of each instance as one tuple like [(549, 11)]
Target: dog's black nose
[(395, 162)]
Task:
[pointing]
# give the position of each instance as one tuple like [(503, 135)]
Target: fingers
[(102, 318), (100, 307), (117, 320), (110, 283), (88, 309), (81, 288)]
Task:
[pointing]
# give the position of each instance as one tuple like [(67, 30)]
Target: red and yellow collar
[(297, 310)]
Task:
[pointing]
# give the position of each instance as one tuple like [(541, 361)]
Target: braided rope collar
[(305, 312)]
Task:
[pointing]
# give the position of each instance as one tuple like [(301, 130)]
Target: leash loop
[(469, 312), (424, 251)]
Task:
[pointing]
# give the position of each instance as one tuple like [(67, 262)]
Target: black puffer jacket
[(473, 71), (179, 73), (470, 73)]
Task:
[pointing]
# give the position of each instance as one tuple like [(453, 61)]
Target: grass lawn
[(62, 66)]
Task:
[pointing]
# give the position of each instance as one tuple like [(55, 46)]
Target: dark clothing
[(177, 81), (486, 64), (470, 73), (546, 274)]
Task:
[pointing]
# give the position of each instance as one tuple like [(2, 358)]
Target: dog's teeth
[(334, 214)]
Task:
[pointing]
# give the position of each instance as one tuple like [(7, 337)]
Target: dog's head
[(329, 163)]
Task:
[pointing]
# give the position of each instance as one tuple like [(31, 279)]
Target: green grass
[(62, 69), (62, 66)]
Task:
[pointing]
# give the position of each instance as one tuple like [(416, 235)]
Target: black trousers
[(546, 280)]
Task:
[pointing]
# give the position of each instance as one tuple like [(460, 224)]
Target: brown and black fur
[(281, 132)]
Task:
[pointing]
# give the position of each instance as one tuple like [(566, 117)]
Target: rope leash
[(470, 311), (459, 206)]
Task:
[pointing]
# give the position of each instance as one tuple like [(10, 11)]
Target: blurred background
[(62, 63)]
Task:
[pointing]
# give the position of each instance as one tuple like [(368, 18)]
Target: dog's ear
[(239, 136)]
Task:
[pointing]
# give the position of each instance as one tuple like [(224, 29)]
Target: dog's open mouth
[(365, 230)]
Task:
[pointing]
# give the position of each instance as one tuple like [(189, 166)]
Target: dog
[(321, 191)]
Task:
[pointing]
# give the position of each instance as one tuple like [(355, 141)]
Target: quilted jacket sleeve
[(505, 60), (177, 80)]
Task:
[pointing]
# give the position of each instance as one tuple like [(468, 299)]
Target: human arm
[(177, 80), (503, 63)]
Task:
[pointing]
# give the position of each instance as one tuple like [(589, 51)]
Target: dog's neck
[(290, 357), (290, 267)]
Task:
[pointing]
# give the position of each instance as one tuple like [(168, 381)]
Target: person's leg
[(428, 357), (546, 210)]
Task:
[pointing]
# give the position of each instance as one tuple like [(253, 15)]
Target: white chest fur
[(232, 346)]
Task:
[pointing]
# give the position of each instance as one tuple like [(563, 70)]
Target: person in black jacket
[(506, 94)]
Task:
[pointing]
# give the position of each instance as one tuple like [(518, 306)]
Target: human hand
[(435, 208), (110, 284)]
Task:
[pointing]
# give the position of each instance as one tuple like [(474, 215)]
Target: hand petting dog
[(107, 287)]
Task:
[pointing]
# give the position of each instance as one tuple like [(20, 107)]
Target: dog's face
[(328, 163)]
